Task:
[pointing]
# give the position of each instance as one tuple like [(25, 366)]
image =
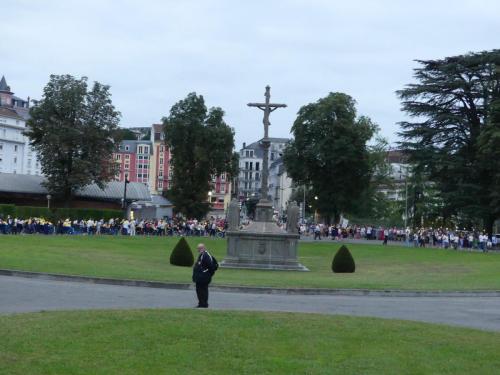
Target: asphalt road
[(19, 295)]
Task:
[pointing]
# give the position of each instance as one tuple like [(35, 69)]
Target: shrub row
[(55, 214)]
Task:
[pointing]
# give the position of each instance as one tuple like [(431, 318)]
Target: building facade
[(134, 159), (16, 155), (251, 158)]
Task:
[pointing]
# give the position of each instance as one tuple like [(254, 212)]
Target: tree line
[(452, 142)]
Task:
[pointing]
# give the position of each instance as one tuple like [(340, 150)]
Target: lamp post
[(304, 206), (49, 197), (124, 199)]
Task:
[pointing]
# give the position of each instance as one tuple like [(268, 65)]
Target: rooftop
[(29, 184)]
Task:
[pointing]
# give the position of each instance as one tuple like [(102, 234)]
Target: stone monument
[(262, 244)]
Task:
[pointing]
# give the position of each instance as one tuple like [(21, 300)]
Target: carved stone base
[(262, 245)]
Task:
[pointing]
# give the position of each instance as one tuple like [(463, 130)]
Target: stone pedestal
[(262, 245)]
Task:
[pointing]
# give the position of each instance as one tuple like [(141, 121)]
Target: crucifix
[(267, 108)]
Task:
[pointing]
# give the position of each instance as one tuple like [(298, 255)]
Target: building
[(16, 156), (219, 195), (161, 169), (26, 190), (134, 158), (399, 167), (251, 158)]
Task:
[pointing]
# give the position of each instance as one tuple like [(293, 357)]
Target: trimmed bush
[(182, 254), (343, 262)]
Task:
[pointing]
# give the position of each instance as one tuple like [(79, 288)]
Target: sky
[(153, 53)]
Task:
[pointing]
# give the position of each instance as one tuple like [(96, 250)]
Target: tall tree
[(450, 105), (72, 130), (329, 153), (202, 146)]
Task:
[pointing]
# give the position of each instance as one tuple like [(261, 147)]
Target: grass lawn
[(377, 267), (213, 342)]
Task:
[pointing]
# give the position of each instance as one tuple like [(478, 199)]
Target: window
[(257, 165), (15, 148), (160, 174), (160, 184), (139, 150), (127, 157), (140, 157), (15, 160), (146, 149), (161, 161), (1, 146), (222, 188), (223, 177), (246, 165), (161, 148), (127, 148), (127, 166), (118, 157), (251, 165), (272, 155)]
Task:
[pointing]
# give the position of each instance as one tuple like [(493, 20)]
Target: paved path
[(25, 295)]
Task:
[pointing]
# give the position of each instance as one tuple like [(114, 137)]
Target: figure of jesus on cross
[(267, 107)]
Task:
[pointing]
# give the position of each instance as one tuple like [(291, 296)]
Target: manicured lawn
[(213, 342), (377, 267)]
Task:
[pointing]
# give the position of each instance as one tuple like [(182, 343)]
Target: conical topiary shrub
[(182, 254), (343, 262)]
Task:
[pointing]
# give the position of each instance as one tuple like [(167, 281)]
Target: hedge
[(58, 213)]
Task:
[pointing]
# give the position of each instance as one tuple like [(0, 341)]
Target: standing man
[(203, 271)]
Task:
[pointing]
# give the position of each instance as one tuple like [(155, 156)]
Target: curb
[(250, 289)]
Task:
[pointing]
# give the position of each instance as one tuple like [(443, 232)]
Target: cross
[(267, 107)]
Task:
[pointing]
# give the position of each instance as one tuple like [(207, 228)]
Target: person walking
[(203, 270)]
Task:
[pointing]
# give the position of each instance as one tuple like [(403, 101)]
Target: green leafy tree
[(202, 146), (72, 129), (489, 155), (373, 204), (450, 104), (329, 153), (123, 134)]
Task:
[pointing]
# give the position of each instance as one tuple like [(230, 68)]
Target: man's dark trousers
[(202, 293)]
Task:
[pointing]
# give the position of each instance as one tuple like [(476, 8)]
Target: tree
[(489, 155), (329, 153), (123, 134), (72, 130), (450, 105), (202, 146)]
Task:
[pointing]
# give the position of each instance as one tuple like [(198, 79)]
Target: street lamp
[(49, 197), (124, 199)]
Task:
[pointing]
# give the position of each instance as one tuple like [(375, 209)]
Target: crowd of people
[(421, 237), (158, 227)]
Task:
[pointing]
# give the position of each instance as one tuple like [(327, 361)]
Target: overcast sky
[(153, 53)]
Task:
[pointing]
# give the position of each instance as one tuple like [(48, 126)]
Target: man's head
[(201, 247)]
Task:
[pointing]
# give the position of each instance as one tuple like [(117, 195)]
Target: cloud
[(153, 53)]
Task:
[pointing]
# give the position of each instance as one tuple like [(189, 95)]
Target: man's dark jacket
[(202, 270)]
